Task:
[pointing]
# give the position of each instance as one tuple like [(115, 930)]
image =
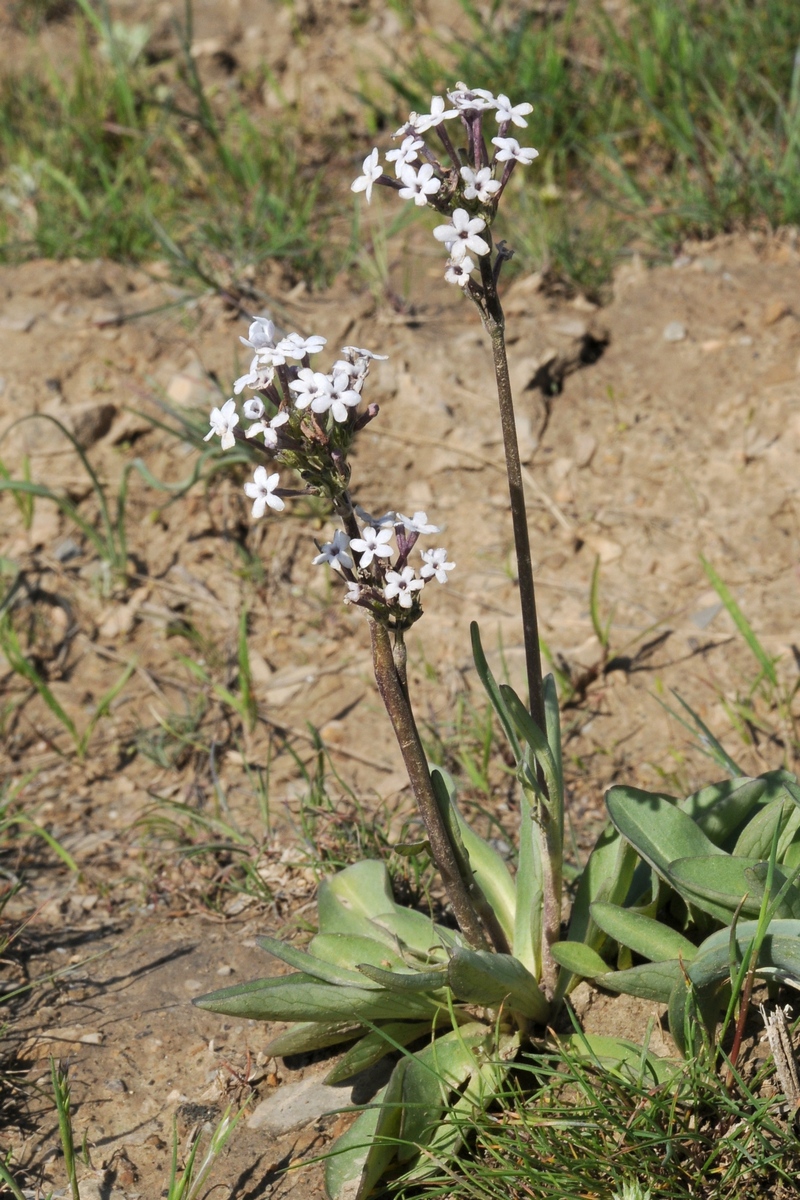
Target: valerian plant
[(379, 978)]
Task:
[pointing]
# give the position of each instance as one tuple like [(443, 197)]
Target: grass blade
[(766, 663)]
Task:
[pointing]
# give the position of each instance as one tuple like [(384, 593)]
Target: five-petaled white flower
[(480, 185), (295, 346), (342, 397), (459, 271), (508, 148), (311, 387), (335, 552), (516, 113), (262, 490), (418, 185), (372, 544), (435, 116), (260, 335), (402, 585), (253, 408), (417, 524), (223, 422), (372, 171), (436, 565), (407, 153), (462, 234)]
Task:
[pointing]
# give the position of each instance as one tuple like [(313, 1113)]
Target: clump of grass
[(570, 1127), (672, 121), (124, 158)]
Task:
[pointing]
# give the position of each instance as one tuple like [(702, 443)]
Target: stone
[(674, 332), (585, 448), (775, 310), (296, 1104)]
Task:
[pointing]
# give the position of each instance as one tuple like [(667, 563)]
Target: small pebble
[(224, 970), (674, 332)]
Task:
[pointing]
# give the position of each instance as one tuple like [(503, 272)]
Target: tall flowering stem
[(467, 191)]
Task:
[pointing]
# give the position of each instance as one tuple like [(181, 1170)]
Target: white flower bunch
[(469, 189), (373, 580), (307, 419)]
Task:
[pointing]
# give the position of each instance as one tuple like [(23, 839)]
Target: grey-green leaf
[(374, 1046), (317, 968), (641, 934), (579, 959), (479, 977), (305, 1036), (651, 981), (365, 1152), (656, 828), (299, 998)]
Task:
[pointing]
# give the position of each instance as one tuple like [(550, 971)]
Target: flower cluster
[(384, 587), (469, 189), (306, 419)]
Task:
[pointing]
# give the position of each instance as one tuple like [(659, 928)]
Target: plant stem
[(395, 699), (494, 323)]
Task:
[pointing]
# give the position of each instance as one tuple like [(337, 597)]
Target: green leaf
[(433, 1074), (365, 1152), (552, 715), (347, 950), (718, 886), (579, 959), (527, 943), (480, 977), (299, 998), (376, 1045), (641, 934), (766, 663), (651, 981), (493, 692), (489, 871), (656, 828), (406, 981), (535, 739), (755, 840), (316, 968), (305, 1036), (606, 878), (720, 808), (708, 743)]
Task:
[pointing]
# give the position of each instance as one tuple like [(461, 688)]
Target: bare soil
[(641, 451)]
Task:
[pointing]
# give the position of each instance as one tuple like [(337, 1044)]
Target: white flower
[(516, 113), (407, 154), (353, 594), (261, 491), (459, 271), (480, 185), (418, 185), (372, 545), (402, 585), (342, 397), (260, 335), (462, 235), (335, 552), (435, 117), (372, 171), (295, 346), (268, 429), (436, 565), (311, 387), (258, 377), (417, 524), (508, 148), (223, 422), (477, 99)]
